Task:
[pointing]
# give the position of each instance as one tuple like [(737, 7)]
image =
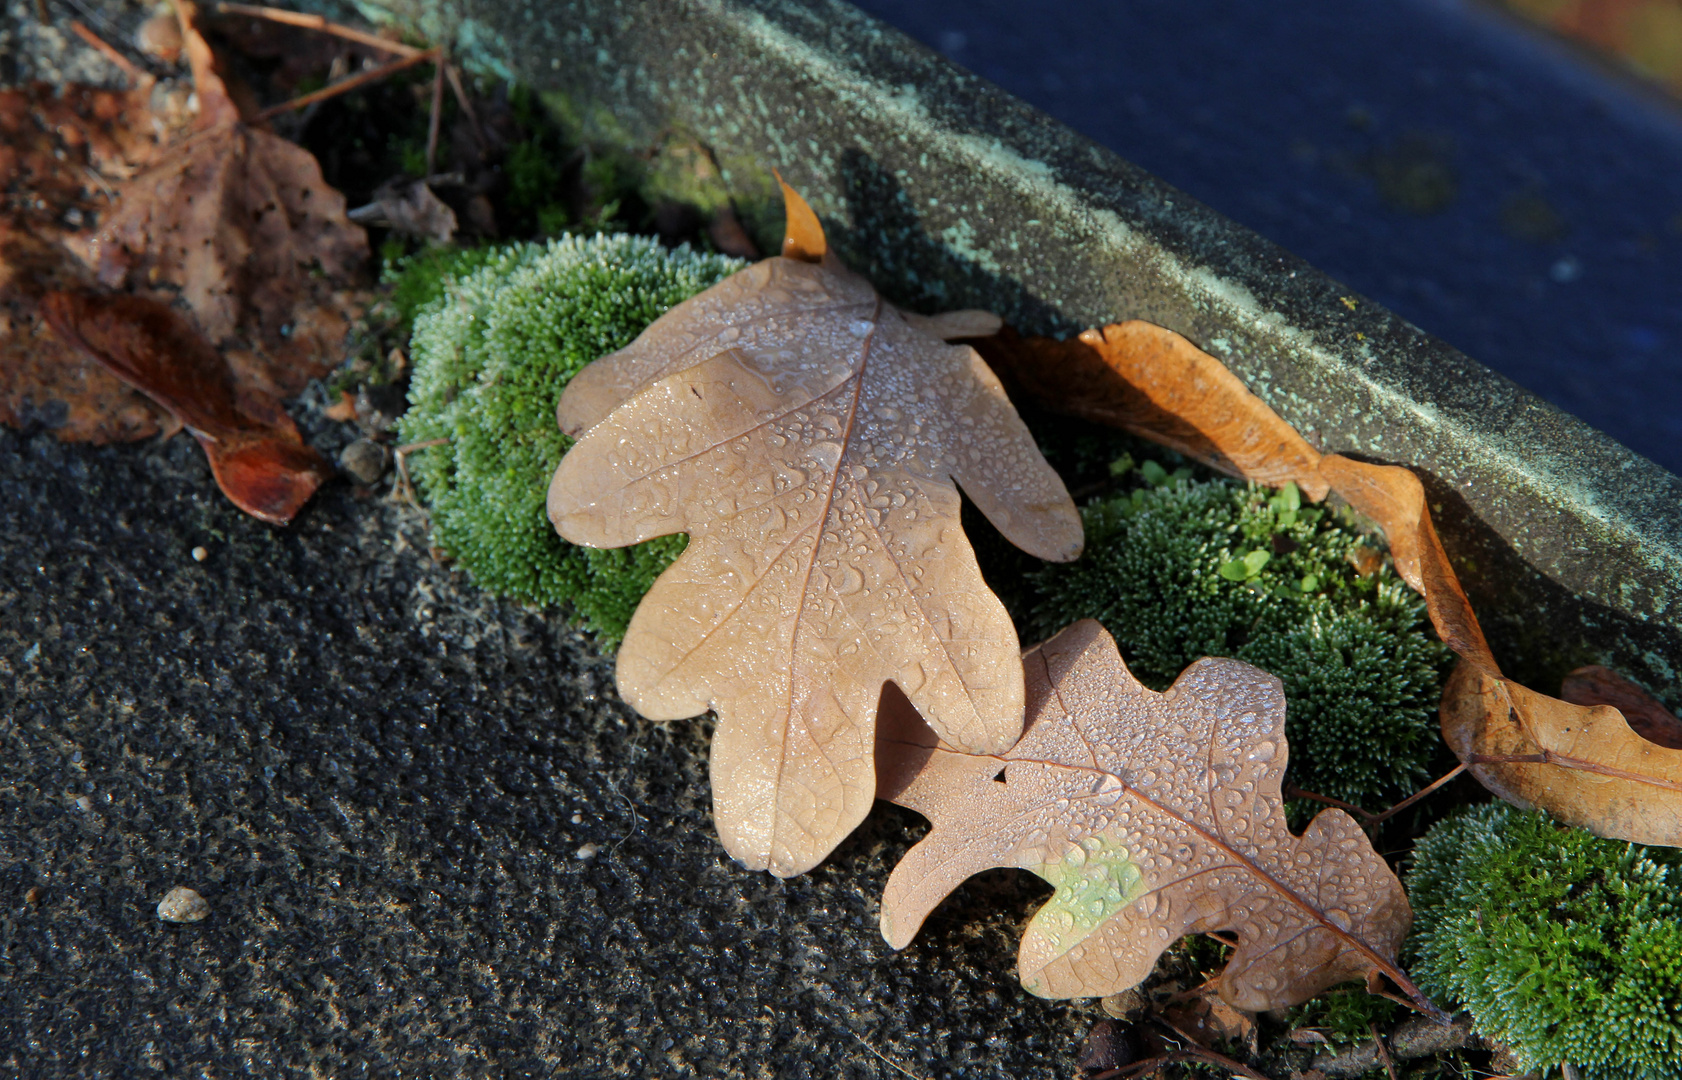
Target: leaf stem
[(1416, 796), (1291, 791)]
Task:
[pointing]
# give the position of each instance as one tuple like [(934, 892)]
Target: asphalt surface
[(433, 841), (1495, 187)]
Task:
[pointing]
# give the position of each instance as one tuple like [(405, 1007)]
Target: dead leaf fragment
[(259, 460), (1155, 383), (1153, 816), (1583, 764), (409, 207), (1647, 716), (811, 442)]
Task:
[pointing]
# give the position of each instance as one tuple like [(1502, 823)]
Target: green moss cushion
[(1564, 946), (492, 354)]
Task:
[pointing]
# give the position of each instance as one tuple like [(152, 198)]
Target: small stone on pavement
[(182, 905)]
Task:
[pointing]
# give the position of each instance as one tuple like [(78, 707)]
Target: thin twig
[(466, 105), (400, 455), (138, 77), (1383, 1051), (883, 1058), (316, 22), (1416, 796), (437, 113), (361, 78), (1197, 1049), (1291, 791)]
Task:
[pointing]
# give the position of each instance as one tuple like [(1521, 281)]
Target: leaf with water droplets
[(811, 441), (1616, 774), (1154, 816)]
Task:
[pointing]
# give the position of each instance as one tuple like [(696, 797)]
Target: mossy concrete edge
[(950, 193)]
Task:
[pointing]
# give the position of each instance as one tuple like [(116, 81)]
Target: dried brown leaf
[(1154, 816), (59, 153), (44, 380), (811, 443), (1584, 765), (1524, 746), (259, 460), (409, 207), (1151, 381), (1647, 716)]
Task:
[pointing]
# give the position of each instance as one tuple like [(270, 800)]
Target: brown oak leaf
[(811, 441), (1153, 816), (1526, 747), (1647, 716), (238, 225), (1583, 764)]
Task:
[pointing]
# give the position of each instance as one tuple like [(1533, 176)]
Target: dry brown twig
[(400, 456), (135, 75), (1416, 796), (361, 78), (436, 114), (316, 22), (1383, 1050)]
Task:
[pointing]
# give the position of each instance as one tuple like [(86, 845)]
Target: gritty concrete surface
[(432, 839)]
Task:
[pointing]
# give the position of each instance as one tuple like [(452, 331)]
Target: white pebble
[(588, 851), (200, 554), (181, 905)]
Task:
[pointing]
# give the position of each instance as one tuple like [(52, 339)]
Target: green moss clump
[(1183, 568), (418, 279), (1564, 946), (492, 354), (1345, 1014)]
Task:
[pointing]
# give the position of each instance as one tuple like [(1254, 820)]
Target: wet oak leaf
[(811, 441), (1153, 816), (1527, 747)]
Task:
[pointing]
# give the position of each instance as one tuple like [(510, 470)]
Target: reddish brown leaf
[(1529, 749), (1154, 816), (260, 461), (803, 238), (1646, 715), (58, 153)]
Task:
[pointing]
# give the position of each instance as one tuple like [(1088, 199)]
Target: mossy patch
[(492, 353), (1564, 946)]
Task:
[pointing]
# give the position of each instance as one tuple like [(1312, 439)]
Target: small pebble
[(364, 461), (200, 554), (182, 905), (578, 819), (588, 851)]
